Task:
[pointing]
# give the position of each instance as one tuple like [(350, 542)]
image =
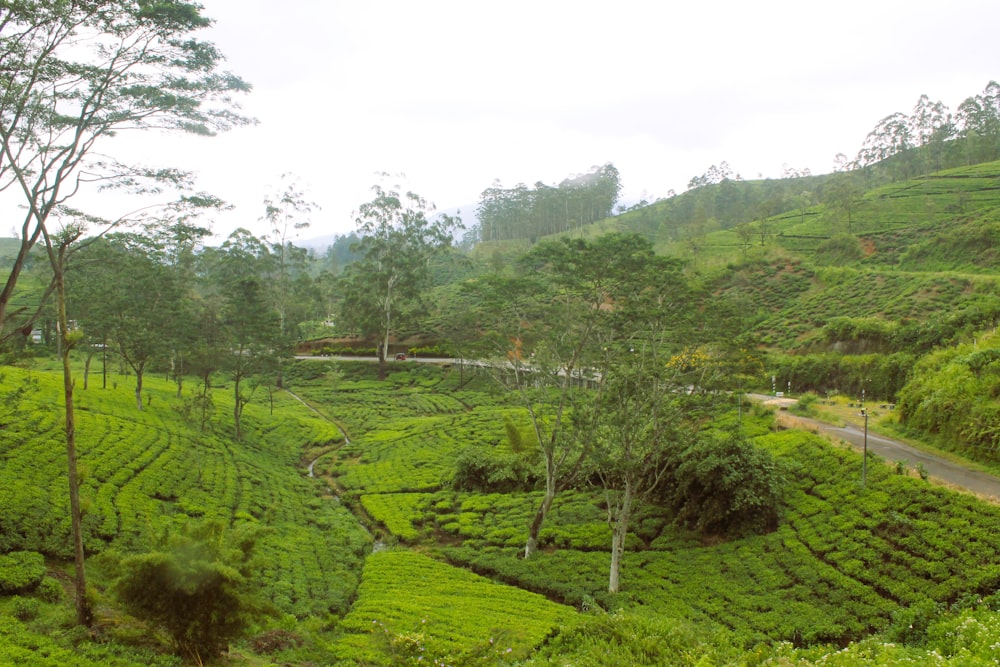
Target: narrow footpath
[(940, 470)]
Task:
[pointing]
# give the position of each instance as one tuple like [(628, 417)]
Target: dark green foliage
[(530, 213), (20, 571), (49, 590), (862, 334), (725, 484), (881, 376), (953, 394), (199, 586), (492, 469), (25, 609)]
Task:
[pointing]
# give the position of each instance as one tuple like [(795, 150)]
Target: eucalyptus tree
[(287, 214), (388, 280), (978, 120), (891, 136), (74, 74)]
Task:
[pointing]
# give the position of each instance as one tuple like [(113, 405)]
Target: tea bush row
[(410, 602), (142, 471)]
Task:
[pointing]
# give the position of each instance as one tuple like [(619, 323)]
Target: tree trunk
[(236, 408), (206, 380), (138, 389), (86, 368), (84, 614), (619, 531), (383, 344), (531, 546)]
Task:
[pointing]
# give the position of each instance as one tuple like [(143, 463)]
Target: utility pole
[(864, 456)]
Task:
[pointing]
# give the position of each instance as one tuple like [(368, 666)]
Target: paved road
[(941, 470)]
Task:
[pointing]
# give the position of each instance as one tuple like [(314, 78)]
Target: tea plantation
[(899, 572)]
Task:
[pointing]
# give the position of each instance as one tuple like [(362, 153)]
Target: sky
[(450, 95)]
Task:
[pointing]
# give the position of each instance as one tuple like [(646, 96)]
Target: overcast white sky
[(455, 94)]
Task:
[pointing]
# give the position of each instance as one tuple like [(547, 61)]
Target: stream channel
[(377, 545)]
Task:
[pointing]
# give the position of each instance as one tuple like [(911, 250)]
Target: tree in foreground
[(198, 586), (387, 283), (633, 420), (721, 483), (73, 74)]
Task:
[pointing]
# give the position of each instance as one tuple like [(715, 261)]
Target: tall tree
[(892, 135), (632, 420), (978, 120), (144, 307), (840, 195), (547, 330), (250, 323), (287, 214), (59, 247), (73, 74), (397, 242)]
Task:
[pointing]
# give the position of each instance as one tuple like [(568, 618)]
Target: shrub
[(198, 587), (806, 404), (273, 641), (21, 571), (492, 470), (724, 484), (49, 590), (24, 609)]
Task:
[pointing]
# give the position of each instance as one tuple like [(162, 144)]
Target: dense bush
[(724, 484), (492, 469), (860, 334), (955, 393), (881, 376), (199, 587)]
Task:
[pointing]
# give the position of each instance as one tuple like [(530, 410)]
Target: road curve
[(941, 470)]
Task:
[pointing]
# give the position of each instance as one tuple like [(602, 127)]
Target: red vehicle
[(400, 356)]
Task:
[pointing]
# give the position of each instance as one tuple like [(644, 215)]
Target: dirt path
[(941, 470)]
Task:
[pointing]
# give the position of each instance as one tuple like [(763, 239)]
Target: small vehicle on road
[(400, 356)]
